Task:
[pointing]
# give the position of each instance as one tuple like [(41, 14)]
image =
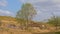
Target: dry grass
[(5, 30)]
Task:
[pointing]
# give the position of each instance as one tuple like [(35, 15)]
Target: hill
[(7, 18), (9, 25)]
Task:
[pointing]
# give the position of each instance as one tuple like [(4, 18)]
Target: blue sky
[(44, 8), (11, 6)]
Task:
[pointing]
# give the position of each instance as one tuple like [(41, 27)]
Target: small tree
[(26, 13), (54, 21)]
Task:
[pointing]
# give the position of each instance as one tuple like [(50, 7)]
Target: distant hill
[(7, 18)]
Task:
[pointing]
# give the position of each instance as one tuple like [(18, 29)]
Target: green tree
[(55, 21), (26, 13)]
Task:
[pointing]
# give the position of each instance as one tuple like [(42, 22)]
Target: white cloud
[(56, 1), (39, 12), (6, 13), (32, 1), (3, 2), (45, 7)]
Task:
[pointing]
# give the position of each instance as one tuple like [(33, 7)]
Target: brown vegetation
[(10, 26)]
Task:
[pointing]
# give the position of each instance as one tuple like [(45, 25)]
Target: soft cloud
[(56, 1), (45, 8), (3, 2), (33, 1), (6, 13)]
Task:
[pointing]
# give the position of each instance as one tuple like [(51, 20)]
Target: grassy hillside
[(6, 21), (11, 26), (7, 18)]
